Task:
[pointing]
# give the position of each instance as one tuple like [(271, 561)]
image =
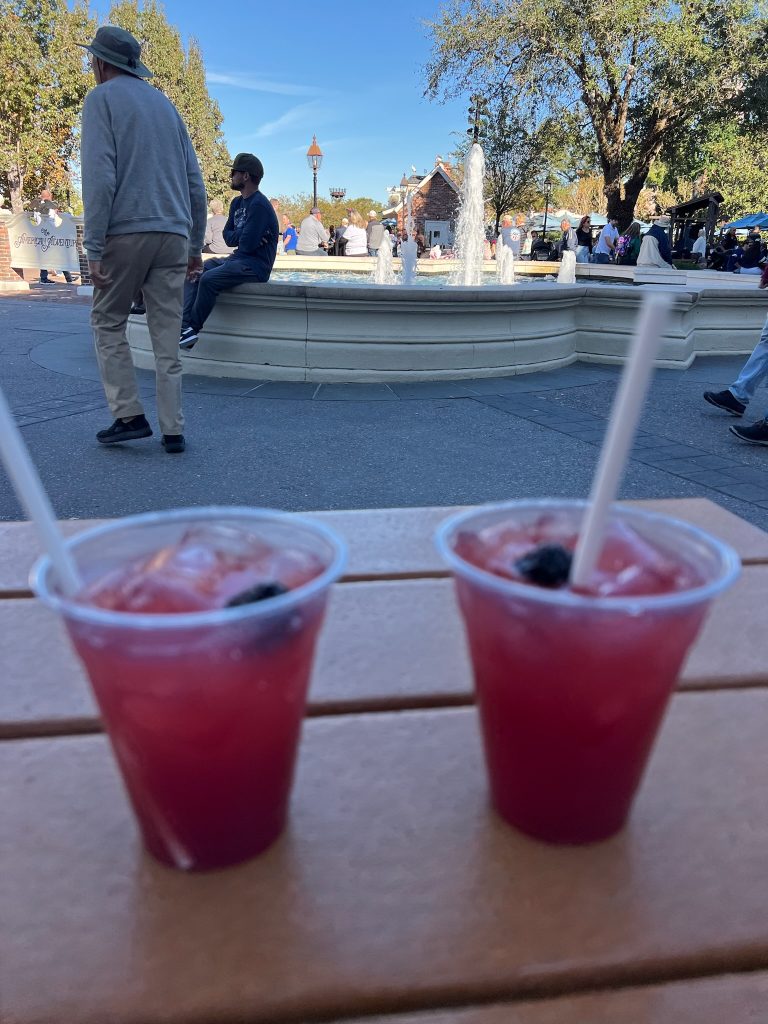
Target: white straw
[(32, 496), (651, 324)]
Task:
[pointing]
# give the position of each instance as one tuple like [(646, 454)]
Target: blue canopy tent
[(752, 220)]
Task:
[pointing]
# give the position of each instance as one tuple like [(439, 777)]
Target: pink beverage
[(197, 628), (572, 687)]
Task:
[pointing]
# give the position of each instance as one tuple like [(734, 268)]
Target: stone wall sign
[(43, 242)]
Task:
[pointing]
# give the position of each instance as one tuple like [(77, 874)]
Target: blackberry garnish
[(258, 593), (548, 565)]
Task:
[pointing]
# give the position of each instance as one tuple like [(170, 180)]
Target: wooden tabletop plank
[(396, 542), (387, 644), (725, 999), (395, 888)]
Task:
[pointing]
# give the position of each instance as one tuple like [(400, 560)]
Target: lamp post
[(403, 197), (314, 159), (548, 192), (476, 111)]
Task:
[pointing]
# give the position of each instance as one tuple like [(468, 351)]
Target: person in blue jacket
[(252, 230)]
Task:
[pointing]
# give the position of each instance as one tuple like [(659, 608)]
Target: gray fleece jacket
[(140, 173)]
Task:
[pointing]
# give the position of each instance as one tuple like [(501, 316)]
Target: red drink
[(572, 687), (203, 702)]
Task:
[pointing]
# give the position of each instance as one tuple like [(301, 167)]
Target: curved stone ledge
[(281, 331)]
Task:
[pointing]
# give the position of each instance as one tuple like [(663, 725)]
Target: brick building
[(436, 200)]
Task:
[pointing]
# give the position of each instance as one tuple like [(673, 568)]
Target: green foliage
[(43, 80), (640, 73), (180, 75)]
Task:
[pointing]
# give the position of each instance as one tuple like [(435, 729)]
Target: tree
[(641, 72), (43, 81), (180, 75), (515, 161)]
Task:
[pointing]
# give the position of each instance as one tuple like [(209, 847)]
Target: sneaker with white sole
[(188, 338), (755, 433)]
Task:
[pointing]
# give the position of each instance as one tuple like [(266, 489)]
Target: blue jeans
[(600, 257), (753, 371), (219, 275), (582, 254)]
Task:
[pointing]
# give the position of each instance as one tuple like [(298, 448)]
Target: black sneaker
[(138, 310), (756, 433), (120, 431), (174, 443), (188, 338), (725, 400)]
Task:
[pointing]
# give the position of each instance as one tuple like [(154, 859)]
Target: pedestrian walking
[(145, 210)]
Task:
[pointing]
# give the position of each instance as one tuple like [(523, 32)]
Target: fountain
[(470, 228), (567, 272), (409, 251), (384, 271), (334, 331), (505, 263)]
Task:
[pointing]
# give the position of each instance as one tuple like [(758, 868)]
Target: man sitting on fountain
[(253, 230)]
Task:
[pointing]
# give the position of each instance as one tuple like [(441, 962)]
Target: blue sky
[(349, 71)]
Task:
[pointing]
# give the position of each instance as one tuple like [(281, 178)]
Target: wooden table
[(395, 896)]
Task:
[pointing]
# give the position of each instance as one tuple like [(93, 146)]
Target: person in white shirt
[(606, 243), (699, 250), (357, 240)]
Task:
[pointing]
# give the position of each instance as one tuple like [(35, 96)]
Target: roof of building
[(419, 182)]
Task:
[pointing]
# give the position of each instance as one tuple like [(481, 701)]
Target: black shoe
[(188, 338), (138, 310), (131, 431), (757, 433), (174, 443), (725, 400)]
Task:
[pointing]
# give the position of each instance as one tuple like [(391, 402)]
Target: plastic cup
[(571, 689), (203, 709)]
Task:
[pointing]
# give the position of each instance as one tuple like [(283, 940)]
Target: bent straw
[(652, 321), (33, 497)]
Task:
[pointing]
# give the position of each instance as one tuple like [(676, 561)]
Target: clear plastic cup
[(203, 709), (571, 688)]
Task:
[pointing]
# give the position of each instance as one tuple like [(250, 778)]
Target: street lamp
[(476, 112), (548, 192), (337, 193), (314, 159), (403, 197)]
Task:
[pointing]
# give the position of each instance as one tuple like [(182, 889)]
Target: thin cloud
[(295, 116), (255, 84)]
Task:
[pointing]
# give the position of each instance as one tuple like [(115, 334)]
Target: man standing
[(253, 230), (145, 209), (313, 237), (374, 233), (511, 235), (605, 247), (214, 239), (290, 235), (569, 242)]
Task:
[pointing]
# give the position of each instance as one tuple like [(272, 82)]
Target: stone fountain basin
[(327, 332)]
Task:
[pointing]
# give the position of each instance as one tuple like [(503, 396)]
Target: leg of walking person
[(125, 261), (736, 398), (753, 371), (163, 290)]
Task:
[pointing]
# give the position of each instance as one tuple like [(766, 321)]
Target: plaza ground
[(308, 446)]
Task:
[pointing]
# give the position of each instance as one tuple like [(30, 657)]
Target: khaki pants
[(155, 264)]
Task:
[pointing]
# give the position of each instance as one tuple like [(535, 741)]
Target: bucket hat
[(118, 48)]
